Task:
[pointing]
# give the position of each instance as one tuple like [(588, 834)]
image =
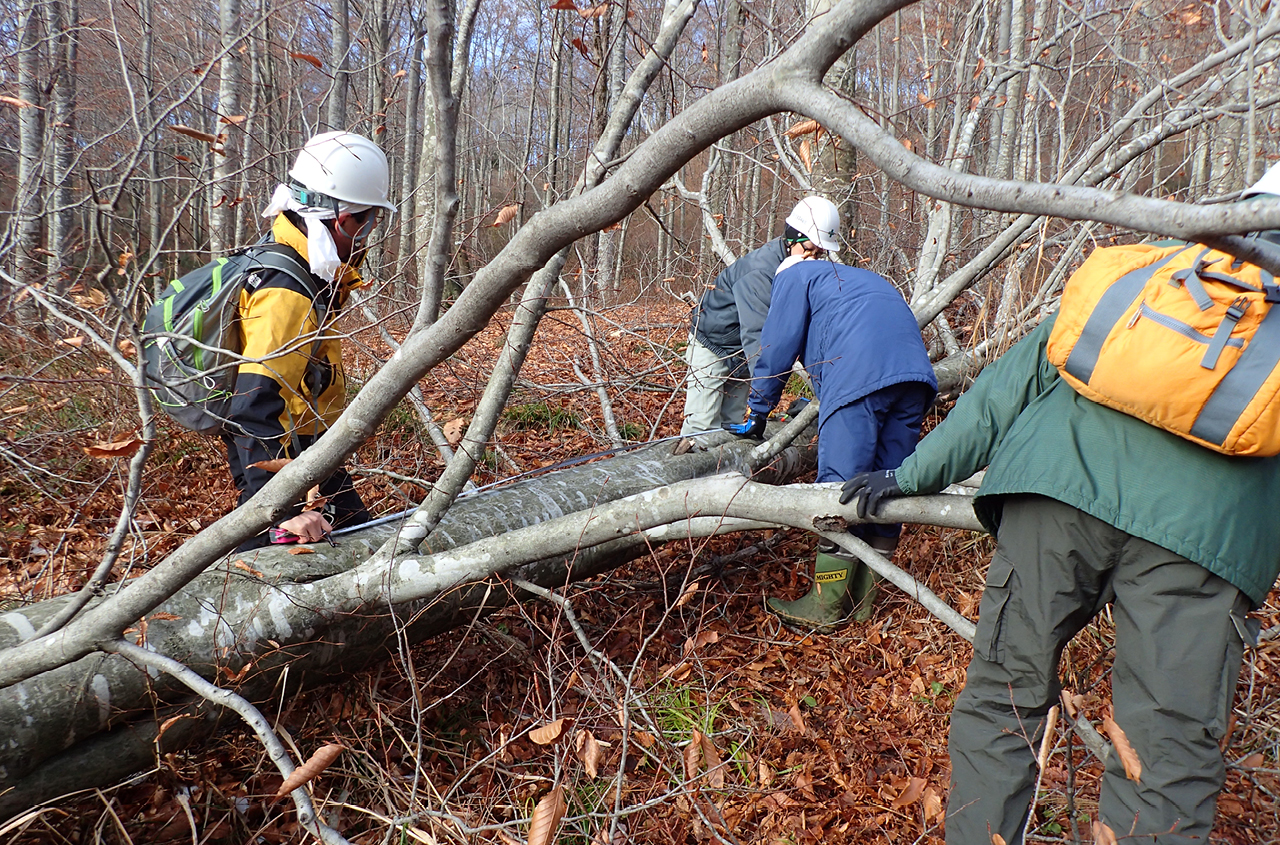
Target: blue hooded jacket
[(850, 328)]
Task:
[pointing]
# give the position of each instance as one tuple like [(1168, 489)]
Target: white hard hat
[(345, 167), (818, 220), (1268, 184)]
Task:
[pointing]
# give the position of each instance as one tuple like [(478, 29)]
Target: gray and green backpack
[(192, 341)]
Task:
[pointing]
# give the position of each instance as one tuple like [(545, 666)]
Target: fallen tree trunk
[(96, 720)]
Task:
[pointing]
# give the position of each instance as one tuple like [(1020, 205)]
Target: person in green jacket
[(1092, 507)]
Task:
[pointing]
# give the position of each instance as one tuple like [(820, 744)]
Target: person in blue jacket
[(860, 344), (724, 330)]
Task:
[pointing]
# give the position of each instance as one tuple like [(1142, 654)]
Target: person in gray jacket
[(724, 335)]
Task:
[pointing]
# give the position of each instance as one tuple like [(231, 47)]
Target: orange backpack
[(1183, 337)]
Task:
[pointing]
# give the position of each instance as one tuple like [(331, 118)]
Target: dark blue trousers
[(877, 431)]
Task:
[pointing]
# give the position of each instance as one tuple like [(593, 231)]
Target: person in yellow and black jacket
[(291, 386)]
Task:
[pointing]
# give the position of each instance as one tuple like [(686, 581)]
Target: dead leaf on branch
[(74, 342), (17, 102), (119, 449), (565, 5), (195, 133), (272, 465), (309, 59), (546, 817), (506, 214), (234, 119), (311, 769), (302, 550), (804, 127), (549, 732), (1132, 765), (805, 156), (687, 594), (594, 11)]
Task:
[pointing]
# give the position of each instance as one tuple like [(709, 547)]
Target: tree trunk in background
[(155, 190), (28, 266), (63, 23), (340, 37), (409, 164), (253, 129), (222, 192)]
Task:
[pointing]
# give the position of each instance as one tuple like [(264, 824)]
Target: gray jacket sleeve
[(751, 294)]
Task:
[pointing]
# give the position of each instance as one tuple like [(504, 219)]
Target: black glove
[(795, 408), (869, 488), (753, 427)]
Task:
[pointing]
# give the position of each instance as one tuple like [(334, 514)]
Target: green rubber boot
[(823, 608), (864, 584)]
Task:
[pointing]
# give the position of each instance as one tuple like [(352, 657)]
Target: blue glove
[(869, 488), (753, 427)]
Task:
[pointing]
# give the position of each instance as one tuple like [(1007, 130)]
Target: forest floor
[(709, 722)]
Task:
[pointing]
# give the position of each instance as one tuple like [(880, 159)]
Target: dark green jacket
[(1035, 434)]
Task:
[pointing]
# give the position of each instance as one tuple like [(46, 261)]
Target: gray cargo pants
[(714, 396), (1179, 642)]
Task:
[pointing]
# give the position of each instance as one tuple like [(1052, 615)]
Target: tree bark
[(223, 190), (229, 618)]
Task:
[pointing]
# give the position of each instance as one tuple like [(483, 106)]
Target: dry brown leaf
[(797, 718), (977, 71), (194, 133), (17, 409), (910, 794), (453, 430), (119, 449), (1132, 765), (272, 465), (715, 772), (1102, 835), (643, 738), (693, 756), (311, 769), (127, 348), (240, 564), (1072, 704), (805, 158), (549, 732), (400, 74), (16, 102), (546, 817), (506, 214), (703, 638), (931, 802), (234, 119), (591, 753), (687, 594), (804, 127), (1253, 761), (302, 550), (75, 342), (764, 773), (309, 59), (564, 5)]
